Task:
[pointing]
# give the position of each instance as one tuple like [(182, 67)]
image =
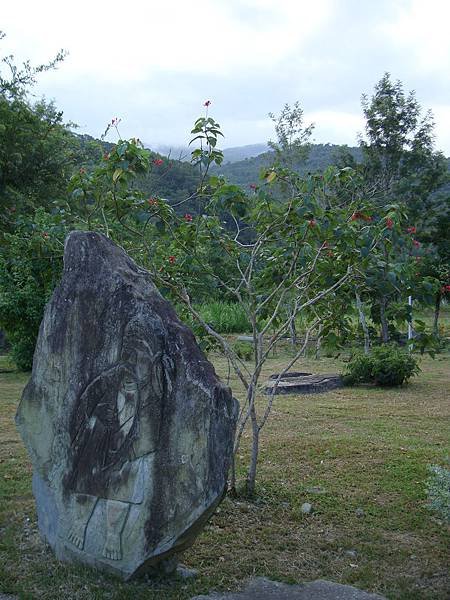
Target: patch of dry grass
[(352, 448)]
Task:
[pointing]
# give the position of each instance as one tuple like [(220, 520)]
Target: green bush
[(438, 488), (30, 266), (386, 365), (206, 342), (244, 350), (225, 317)]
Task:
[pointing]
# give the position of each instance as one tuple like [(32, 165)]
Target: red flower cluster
[(445, 289), (253, 186), (360, 216), (416, 243), (153, 201), (207, 103), (411, 230), (158, 162), (389, 223), (172, 259), (188, 218)]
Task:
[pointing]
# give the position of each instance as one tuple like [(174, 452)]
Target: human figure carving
[(115, 428)]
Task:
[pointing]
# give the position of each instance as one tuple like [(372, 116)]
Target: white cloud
[(335, 127), (129, 41), (154, 62), (420, 29)]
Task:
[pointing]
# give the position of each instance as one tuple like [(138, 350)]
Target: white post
[(410, 329)]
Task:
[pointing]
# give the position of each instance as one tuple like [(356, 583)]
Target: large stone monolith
[(129, 429)]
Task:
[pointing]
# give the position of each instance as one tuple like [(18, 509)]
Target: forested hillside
[(170, 178), (247, 171)]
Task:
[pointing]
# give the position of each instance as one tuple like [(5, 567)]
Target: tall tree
[(399, 159), (400, 167)]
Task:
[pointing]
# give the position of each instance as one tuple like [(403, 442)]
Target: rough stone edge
[(310, 587)]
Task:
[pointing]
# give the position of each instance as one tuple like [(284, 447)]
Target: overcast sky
[(154, 62)]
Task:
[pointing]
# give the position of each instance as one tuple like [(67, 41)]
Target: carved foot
[(112, 548), (76, 537)]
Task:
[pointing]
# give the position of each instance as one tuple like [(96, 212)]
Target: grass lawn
[(347, 449)]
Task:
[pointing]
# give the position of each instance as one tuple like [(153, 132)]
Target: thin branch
[(285, 370)]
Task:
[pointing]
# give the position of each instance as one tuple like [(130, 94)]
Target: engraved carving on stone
[(115, 427)]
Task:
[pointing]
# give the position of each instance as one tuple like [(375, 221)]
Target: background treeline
[(52, 180)]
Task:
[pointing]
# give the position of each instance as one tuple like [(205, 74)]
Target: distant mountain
[(176, 152), (238, 153), (243, 164), (247, 171), (230, 155)]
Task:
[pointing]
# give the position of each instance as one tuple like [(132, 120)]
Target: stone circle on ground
[(303, 383)]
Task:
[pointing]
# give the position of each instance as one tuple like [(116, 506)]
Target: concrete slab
[(264, 589)]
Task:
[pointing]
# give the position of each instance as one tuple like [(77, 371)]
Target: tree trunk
[(318, 342), (293, 331), (233, 491), (251, 476), (362, 320), (437, 310), (383, 320)]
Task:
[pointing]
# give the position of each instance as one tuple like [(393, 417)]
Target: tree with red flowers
[(261, 251), (393, 273), (400, 167)]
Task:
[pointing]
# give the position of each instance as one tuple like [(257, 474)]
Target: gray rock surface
[(264, 589), (129, 429), (316, 490), (306, 508)]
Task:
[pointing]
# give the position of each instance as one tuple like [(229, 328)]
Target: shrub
[(225, 317), (206, 342), (30, 266), (244, 350), (386, 365), (438, 488)]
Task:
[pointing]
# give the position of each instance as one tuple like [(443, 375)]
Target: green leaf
[(116, 175)]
